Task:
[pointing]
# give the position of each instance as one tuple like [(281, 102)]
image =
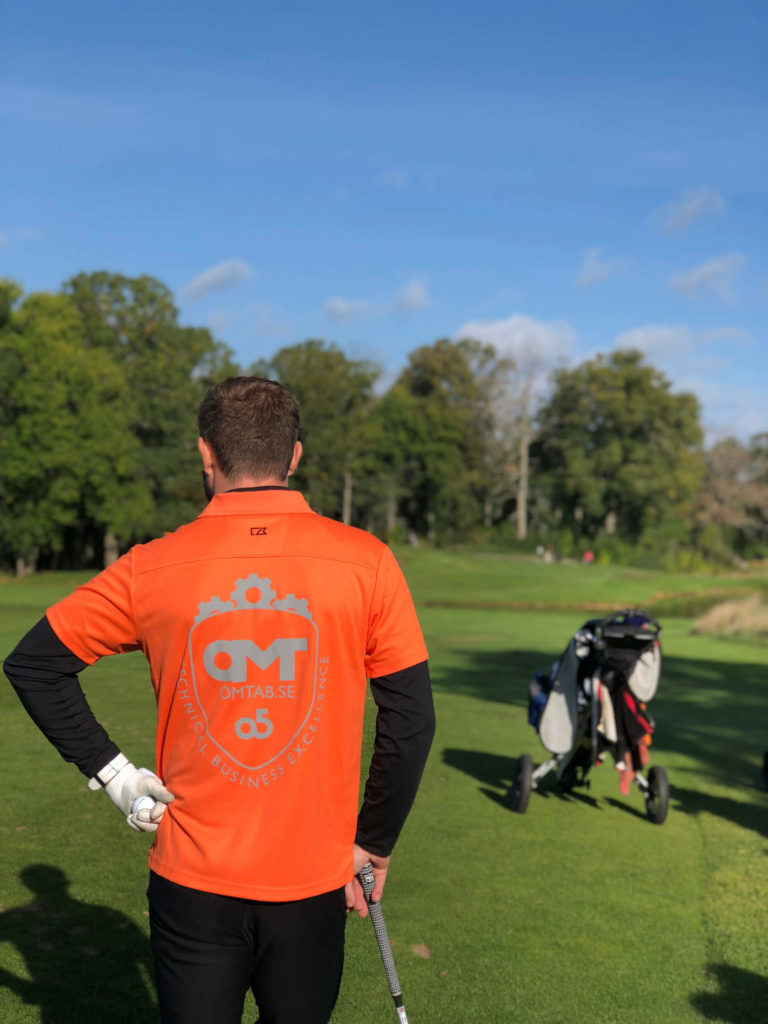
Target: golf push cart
[(593, 703)]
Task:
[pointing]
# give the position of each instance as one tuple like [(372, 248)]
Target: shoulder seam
[(373, 568)]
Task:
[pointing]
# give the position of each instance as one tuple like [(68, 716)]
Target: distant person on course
[(260, 621)]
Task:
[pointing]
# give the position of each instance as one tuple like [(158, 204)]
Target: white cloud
[(258, 318), (518, 336), (347, 309), (412, 296), (216, 279), (393, 177), (726, 411), (409, 299), (700, 362), (680, 346), (715, 277), (594, 269), (657, 340), (18, 235), (678, 216), (535, 347), (733, 334)]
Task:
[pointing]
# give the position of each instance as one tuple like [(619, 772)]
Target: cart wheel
[(521, 787), (657, 799), (765, 769)]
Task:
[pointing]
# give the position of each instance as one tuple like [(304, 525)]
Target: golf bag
[(593, 703)]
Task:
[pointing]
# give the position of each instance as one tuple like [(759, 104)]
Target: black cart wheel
[(765, 769), (521, 787), (657, 797)]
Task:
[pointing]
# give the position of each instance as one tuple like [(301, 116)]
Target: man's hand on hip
[(354, 891), (128, 785)]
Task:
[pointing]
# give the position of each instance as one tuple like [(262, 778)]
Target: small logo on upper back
[(258, 531)]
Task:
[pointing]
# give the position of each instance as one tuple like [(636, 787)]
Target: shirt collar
[(256, 501)]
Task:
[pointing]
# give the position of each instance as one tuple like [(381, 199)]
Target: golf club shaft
[(380, 930)]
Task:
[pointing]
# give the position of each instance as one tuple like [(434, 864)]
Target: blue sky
[(559, 176)]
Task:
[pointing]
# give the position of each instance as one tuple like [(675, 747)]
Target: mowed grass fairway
[(579, 912)]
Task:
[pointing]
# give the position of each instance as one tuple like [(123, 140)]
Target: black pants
[(209, 950)]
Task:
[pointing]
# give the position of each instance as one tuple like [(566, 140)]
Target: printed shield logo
[(254, 670)]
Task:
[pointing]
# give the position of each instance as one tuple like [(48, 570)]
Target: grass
[(580, 910), (460, 579)]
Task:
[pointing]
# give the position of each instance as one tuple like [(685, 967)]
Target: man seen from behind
[(261, 622)]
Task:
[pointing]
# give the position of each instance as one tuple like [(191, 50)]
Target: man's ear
[(297, 451), (206, 455)]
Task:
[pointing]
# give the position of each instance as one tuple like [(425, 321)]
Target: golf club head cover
[(127, 785)]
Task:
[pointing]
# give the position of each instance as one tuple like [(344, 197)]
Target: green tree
[(381, 461), (435, 412), (758, 474), (10, 293), (618, 451), (498, 420), (335, 394), (67, 458), (167, 367), (731, 508)]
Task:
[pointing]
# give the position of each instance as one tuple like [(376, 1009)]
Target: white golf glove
[(125, 789)]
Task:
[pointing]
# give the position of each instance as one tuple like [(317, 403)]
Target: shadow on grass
[(495, 770), (500, 676), (579, 796), (709, 711), (742, 999), (714, 712), (85, 962), (746, 815), (490, 769), (621, 805)]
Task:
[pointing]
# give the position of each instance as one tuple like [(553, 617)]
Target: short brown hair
[(252, 425)]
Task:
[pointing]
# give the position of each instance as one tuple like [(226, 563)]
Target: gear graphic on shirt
[(253, 582), (213, 607), (291, 603)]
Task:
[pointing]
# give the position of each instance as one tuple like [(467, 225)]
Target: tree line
[(99, 387)]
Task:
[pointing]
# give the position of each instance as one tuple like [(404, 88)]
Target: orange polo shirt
[(260, 621)]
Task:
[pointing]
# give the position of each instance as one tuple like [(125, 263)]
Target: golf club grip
[(380, 930)]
